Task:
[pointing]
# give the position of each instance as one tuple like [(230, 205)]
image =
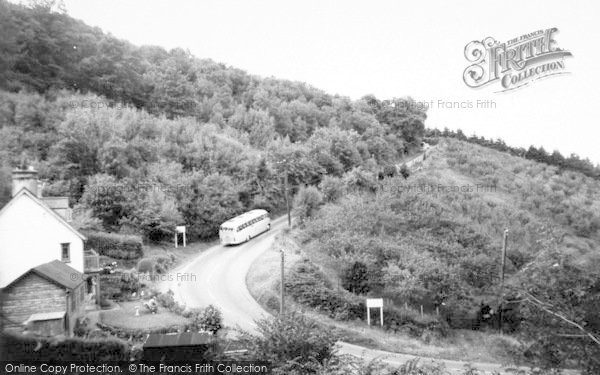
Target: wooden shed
[(47, 300), (177, 346)]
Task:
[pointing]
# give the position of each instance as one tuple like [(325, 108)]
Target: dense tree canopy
[(145, 138)]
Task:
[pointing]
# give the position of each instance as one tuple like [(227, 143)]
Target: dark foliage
[(356, 279)]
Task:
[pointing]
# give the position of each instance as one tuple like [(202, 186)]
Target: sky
[(389, 49)]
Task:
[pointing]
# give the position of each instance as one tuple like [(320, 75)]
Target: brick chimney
[(25, 178)]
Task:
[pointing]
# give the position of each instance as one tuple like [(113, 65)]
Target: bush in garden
[(130, 283), (162, 264), (119, 286), (404, 171), (166, 300), (390, 170), (145, 265), (208, 319), (82, 328)]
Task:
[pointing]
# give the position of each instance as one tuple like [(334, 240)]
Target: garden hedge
[(15, 347), (115, 245)]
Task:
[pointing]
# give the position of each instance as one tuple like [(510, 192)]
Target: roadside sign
[(375, 303)]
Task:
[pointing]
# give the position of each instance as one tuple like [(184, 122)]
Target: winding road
[(218, 277)]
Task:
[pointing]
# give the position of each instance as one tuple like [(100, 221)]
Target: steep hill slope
[(436, 238)]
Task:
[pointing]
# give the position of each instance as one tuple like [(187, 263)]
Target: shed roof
[(60, 273), (45, 316)]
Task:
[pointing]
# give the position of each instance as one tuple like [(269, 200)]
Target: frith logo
[(515, 63)]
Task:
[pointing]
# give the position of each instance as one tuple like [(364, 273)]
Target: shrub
[(293, 344), (307, 200), (119, 286), (356, 278), (82, 328), (411, 322), (208, 319), (130, 283), (145, 265), (115, 245), (307, 285), (332, 188), (390, 170), (166, 300), (162, 263), (404, 171)]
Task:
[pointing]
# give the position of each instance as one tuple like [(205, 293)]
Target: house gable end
[(24, 192)]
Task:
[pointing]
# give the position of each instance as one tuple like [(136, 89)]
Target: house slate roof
[(156, 340)]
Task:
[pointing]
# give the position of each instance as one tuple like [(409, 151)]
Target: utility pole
[(287, 198), (282, 285), (504, 241)]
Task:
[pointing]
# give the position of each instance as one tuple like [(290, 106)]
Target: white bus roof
[(244, 217)]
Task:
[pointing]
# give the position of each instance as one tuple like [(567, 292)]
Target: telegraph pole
[(282, 285), (287, 198), (504, 241)]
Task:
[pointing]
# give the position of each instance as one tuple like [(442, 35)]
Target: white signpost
[(374, 303), (180, 229)]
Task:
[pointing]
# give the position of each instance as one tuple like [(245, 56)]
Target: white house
[(35, 230)]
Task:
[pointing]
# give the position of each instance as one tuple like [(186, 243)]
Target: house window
[(65, 252)]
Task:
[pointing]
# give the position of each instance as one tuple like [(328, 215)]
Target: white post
[(368, 316), (180, 229), (381, 315)]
